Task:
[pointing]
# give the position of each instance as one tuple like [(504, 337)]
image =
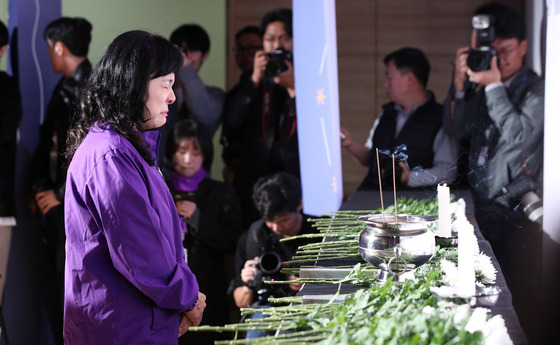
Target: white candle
[(465, 256), (444, 211)]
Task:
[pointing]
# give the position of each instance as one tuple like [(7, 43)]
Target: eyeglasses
[(504, 52), (246, 50), (284, 39)]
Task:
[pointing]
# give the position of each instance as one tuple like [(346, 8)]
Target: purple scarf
[(187, 184)]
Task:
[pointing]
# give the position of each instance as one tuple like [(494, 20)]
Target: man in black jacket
[(10, 115), (260, 253), (68, 44)]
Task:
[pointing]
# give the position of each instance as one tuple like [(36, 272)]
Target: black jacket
[(10, 116), (61, 113)]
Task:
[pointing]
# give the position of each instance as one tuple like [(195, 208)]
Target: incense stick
[(380, 190), (394, 187)]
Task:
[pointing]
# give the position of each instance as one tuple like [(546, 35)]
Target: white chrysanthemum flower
[(496, 332), (484, 270), (461, 312), (428, 310), (458, 208), (450, 272), (477, 322)]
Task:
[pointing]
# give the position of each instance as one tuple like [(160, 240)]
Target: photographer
[(278, 199), (496, 105), (260, 123)]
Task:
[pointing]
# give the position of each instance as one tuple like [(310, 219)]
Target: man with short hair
[(412, 118), (278, 200), (247, 42), (195, 100), (68, 44), (499, 113)]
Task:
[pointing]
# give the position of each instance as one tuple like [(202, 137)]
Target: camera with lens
[(277, 64), (478, 59), (523, 192), (269, 265)]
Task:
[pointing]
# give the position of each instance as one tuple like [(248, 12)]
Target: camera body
[(478, 59), (276, 63), (523, 192), (270, 264)]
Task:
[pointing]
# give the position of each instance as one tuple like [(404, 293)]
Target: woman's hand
[(184, 324), (185, 208), (194, 316)]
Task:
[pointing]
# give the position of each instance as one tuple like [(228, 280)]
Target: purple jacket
[(126, 280)]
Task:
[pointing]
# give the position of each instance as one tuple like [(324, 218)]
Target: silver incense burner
[(396, 244)]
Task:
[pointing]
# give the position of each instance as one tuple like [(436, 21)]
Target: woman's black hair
[(283, 15), (117, 90), (188, 129)]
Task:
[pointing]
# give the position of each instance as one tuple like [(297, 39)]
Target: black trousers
[(53, 271)]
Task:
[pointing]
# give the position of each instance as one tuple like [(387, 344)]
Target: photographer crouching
[(260, 253), (496, 106)]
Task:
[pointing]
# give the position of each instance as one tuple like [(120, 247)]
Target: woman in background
[(126, 280), (212, 214)]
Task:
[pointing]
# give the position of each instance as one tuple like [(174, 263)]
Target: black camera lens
[(479, 59), (270, 262), (276, 64)]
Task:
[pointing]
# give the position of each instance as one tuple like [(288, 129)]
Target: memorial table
[(369, 199)]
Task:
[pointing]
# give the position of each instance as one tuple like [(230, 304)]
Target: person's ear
[(300, 207), (3, 50), (204, 57), (59, 48), (410, 78), (523, 45)]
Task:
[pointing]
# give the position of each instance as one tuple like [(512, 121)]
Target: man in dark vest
[(410, 127)]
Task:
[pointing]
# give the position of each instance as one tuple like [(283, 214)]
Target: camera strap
[(282, 127)]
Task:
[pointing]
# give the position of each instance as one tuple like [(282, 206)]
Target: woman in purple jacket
[(126, 280)]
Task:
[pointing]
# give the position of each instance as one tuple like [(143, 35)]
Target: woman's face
[(275, 37), (160, 95), (188, 158)]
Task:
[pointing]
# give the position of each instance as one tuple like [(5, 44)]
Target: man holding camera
[(496, 105), (260, 254), (260, 117), (195, 100)]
